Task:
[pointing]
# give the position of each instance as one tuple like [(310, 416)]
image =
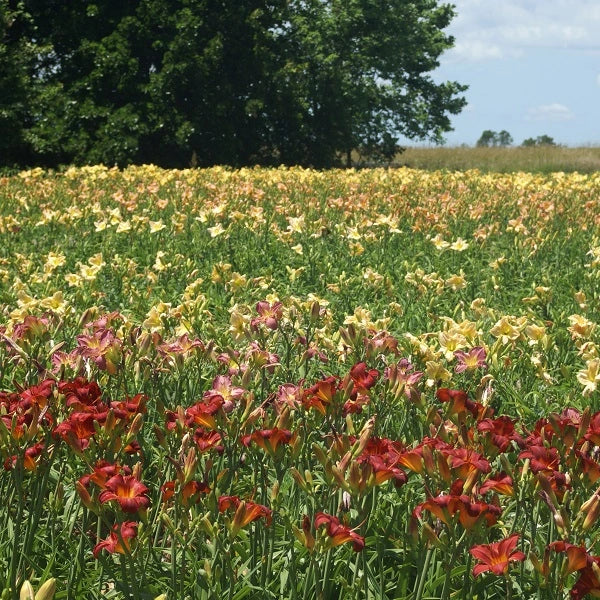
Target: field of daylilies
[(227, 384)]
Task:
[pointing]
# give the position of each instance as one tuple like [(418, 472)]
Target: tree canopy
[(228, 81), (492, 138)]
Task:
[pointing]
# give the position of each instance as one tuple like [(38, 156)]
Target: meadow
[(540, 159), (285, 383)]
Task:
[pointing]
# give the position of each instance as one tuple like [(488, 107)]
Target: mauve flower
[(471, 360)]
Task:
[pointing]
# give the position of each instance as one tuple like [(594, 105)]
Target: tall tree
[(17, 59), (233, 81)]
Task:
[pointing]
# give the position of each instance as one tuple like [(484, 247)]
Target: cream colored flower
[(459, 245), (590, 376), (216, 230), (580, 327), (156, 226)]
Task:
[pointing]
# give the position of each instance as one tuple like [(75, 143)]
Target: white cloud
[(550, 112), (475, 50), (487, 29)]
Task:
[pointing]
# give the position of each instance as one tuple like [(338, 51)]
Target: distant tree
[(491, 138), (545, 140), (504, 138), (541, 140), (488, 138)]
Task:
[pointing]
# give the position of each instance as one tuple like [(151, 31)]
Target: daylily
[(496, 557)]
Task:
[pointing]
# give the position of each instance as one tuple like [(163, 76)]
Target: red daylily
[(541, 458), (588, 582), (203, 413), (501, 432), (465, 462), (103, 471), (446, 506), (496, 557), (29, 459), (593, 431), (501, 483), (268, 439), (589, 466), (190, 493), (128, 491), (208, 440), (79, 428), (577, 556), (459, 403), (321, 394), (125, 409), (245, 511), (119, 540), (37, 395), (338, 533), (364, 379), (80, 393)]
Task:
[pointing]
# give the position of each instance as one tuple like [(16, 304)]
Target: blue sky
[(532, 66)]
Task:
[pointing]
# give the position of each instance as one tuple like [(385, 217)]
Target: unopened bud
[(46, 591), (26, 591)]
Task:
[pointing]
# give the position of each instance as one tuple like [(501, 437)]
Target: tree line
[(492, 138), (234, 82)]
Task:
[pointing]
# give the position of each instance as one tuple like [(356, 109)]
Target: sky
[(532, 67)]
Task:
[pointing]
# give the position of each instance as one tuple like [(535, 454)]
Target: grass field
[(284, 383), (543, 159)]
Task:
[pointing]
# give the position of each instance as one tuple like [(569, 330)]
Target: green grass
[(545, 159)]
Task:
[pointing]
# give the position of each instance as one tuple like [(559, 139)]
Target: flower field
[(377, 384)]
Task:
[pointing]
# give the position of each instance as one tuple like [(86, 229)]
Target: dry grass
[(544, 159)]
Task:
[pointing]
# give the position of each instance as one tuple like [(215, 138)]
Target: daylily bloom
[(202, 413), (208, 440), (245, 512), (190, 492), (338, 533), (268, 314), (80, 393), (268, 439), (321, 394), (29, 459), (402, 380), (459, 402), (542, 458), (501, 431), (496, 557), (119, 540), (128, 491), (471, 360), (364, 379), (445, 506), (577, 556), (589, 581), (501, 483)]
